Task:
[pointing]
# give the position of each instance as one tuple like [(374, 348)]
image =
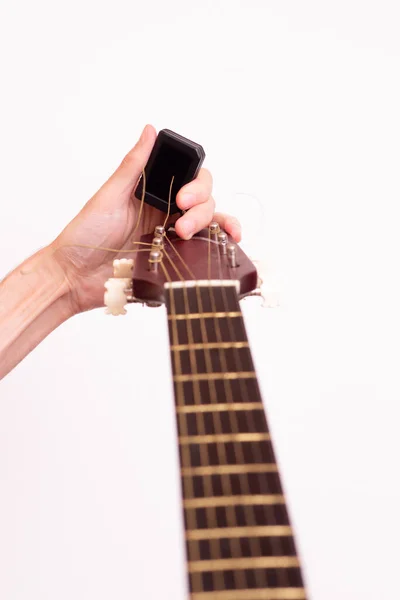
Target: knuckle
[(130, 160), (232, 221), (212, 204), (207, 176), (209, 207)]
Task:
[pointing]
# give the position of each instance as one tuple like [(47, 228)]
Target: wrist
[(34, 300), (60, 272)]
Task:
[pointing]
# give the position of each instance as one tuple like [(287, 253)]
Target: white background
[(297, 105)]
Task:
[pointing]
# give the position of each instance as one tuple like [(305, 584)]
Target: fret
[(251, 453), (186, 390), (201, 322), (255, 562), (245, 422), (228, 532), (229, 469), (200, 549), (289, 577), (213, 359), (254, 483), (209, 346), (218, 299), (220, 407), (234, 500), (201, 283), (205, 315), (288, 593), (213, 376), (228, 437), (262, 515)]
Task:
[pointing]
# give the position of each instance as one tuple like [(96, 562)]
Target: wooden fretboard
[(239, 541)]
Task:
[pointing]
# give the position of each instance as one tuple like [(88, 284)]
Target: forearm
[(34, 300)]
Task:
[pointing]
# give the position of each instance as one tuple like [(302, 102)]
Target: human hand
[(108, 220)]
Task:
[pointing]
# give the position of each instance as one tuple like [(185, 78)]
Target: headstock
[(211, 255)]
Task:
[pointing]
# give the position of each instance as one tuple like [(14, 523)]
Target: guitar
[(239, 541)]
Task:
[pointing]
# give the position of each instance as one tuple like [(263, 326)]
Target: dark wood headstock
[(200, 258)]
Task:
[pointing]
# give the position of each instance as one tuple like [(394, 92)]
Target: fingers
[(196, 198), (195, 219), (121, 183), (229, 224), (195, 192)]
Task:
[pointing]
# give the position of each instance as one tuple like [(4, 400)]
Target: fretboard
[(239, 542)]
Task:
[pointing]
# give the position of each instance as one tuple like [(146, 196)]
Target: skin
[(64, 279)]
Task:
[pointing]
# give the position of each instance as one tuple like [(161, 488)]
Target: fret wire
[(230, 469), (228, 532), (253, 562), (206, 315), (213, 376), (283, 593), (268, 509), (220, 407), (223, 437), (250, 515), (243, 500), (209, 346)]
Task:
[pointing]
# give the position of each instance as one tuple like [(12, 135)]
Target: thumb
[(123, 180)]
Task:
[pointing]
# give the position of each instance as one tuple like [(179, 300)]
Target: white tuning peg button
[(115, 297), (267, 285), (123, 267)]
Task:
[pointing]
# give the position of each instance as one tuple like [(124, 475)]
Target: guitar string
[(141, 207), (276, 543), (106, 249), (236, 351), (169, 201), (190, 518), (268, 510), (230, 512), (233, 543), (215, 544), (217, 576), (244, 481), (196, 578), (232, 416)]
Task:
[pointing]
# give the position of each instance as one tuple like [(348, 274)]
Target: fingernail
[(143, 135), (187, 200), (188, 228), (236, 232)]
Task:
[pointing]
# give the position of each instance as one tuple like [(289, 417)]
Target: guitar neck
[(239, 542)]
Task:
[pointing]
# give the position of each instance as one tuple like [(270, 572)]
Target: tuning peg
[(115, 297), (123, 267), (267, 286)]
